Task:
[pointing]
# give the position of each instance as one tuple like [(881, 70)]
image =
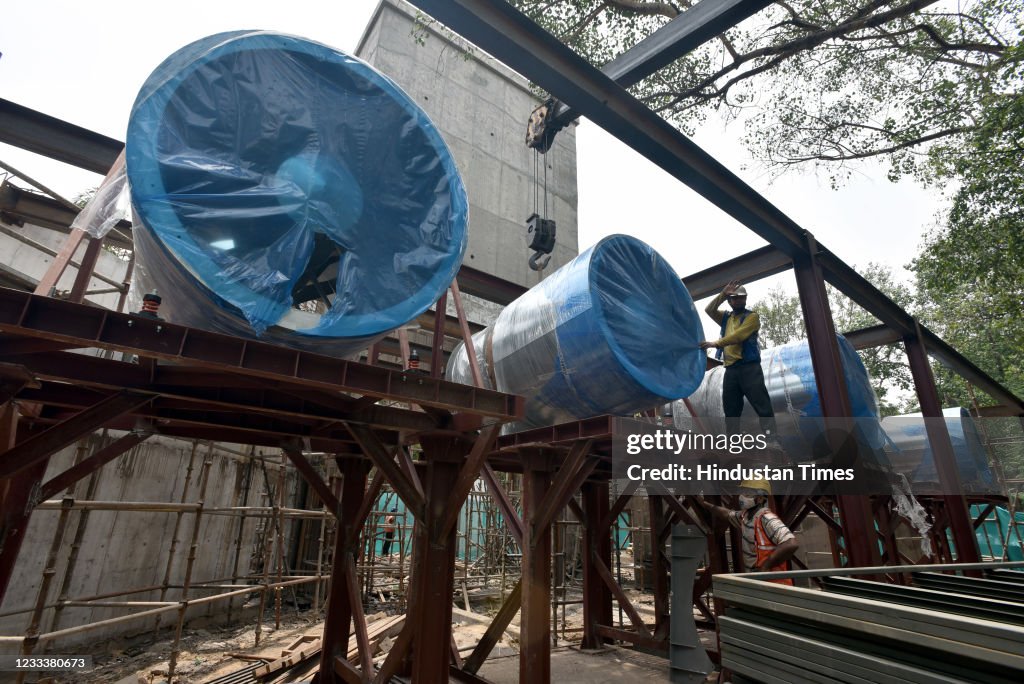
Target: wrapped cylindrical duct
[(789, 377), (614, 331), (282, 188), (911, 453)]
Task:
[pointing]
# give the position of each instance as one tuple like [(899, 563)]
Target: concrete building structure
[(481, 108)]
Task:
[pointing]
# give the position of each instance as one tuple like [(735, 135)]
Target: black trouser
[(746, 380), (388, 538)]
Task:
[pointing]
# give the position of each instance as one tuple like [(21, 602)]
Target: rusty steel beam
[(942, 451), (268, 426), (508, 511), (620, 595), (487, 286), (535, 621), (691, 28), (873, 336), (384, 460), (407, 466), (341, 609), (95, 372), (52, 319), (597, 598), (564, 485), (40, 447), (224, 434), (355, 600), (659, 564), (14, 378), (857, 517), (58, 483), (17, 346), (51, 137), (620, 505), (430, 609), (750, 267), (597, 429), (22, 206), (32, 208), (369, 501), (312, 477), (468, 474), (516, 40), (436, 351)]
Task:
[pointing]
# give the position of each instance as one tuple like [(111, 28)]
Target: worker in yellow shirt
[(741, 355)]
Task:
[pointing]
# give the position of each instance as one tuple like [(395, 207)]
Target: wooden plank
[(291, 657), (395, 657), (347, 671), (493, 634), (646, 641)]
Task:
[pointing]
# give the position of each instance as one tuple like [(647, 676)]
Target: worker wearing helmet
[(741, 355), (767, 543)]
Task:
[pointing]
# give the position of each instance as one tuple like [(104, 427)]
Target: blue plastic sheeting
[(789, 377), (996, 537), (791, 363), (913, 455), (614, 331), (260, 161)]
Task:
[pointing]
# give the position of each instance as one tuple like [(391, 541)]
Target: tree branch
[(646, 8), (885, 150)]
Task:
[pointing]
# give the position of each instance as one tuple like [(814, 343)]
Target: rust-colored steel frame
[(215, 383), (435, 494)]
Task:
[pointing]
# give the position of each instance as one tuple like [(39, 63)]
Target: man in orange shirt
[(767, 543)]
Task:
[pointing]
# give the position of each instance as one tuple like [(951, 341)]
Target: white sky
[(84, 63)]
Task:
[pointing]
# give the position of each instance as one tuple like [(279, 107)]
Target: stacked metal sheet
[(865, 631)]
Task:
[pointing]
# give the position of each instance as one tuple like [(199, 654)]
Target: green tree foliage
[(933, 87), (970, 274), (782, 322), (821, 82)]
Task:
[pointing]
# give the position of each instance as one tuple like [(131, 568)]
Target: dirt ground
[(212, 652)]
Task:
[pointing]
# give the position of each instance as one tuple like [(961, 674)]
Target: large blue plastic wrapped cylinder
[(911, 452), (789, 377), (285, 189), (614, 331)]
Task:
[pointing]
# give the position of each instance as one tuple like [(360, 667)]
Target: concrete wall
[(123, 550), (27, 251), (481, 108)]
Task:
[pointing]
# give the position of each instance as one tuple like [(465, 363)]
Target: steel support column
[(340, 609), (857, 518), (19, 494), (433, 573), (942, 452), (597, 599), (535, 621), (659, 566)]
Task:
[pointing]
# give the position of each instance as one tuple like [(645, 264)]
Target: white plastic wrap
[(612, 332)]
